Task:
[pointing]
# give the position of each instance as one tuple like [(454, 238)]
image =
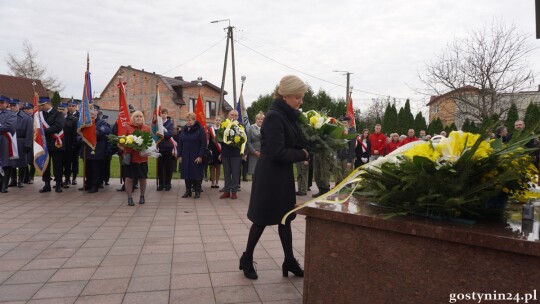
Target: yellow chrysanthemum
[(237, 138), (121, 141), (425, 150), (129, 139), (313, 120)]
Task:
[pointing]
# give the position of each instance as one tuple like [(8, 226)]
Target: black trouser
[(107, 168), (56, 158), (245, 165), (30, 171), (68, 164), (165, 167), (22, 174), (5, 178), (94, 173)]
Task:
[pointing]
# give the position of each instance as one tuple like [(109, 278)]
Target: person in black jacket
[(73, 163), (70, 137), (273, 189), (166, 160), (95, 159), (53, 123)]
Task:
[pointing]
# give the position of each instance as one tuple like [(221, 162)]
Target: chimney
[(179, 78)]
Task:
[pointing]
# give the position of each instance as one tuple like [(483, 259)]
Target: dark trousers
[(30, 172), (231, 172), (70, 162), (94, 173), (56, 158), (245, 165), (165, 167), (107, 168), (5, 178)]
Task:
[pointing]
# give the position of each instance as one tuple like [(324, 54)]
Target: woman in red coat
[(138, 167), (393, 144)]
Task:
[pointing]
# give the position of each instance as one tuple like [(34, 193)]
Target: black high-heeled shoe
[(187, 194), (293, 266), (141, 200), (197, 194), (246, 265), (130, 202)]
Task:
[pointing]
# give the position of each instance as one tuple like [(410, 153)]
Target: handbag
[(126, 159), (207, 157)]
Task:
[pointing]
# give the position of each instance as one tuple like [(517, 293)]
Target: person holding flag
[(86, 126), (167, 149), (52, 123), (8, 144), (30, 169)]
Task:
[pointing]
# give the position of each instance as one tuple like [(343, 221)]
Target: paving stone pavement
[(74, 247)]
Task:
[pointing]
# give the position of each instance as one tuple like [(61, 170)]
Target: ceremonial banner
[(41, 154), (350, 113), (86, 127), (199, 114), (157, 122), (123, 116)]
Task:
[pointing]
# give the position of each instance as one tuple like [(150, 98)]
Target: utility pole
[(231, 41), (348, 89)]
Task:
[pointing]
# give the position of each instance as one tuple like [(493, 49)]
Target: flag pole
[(157, 159), (84, 151)]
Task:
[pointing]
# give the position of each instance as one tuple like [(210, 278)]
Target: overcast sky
[(385, 44)]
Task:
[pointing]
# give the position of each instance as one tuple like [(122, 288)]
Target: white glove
[(364, 160)]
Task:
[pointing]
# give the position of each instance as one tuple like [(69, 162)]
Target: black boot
[(141, 200), (159, 188), (321, 192), (197, 194), (20, 179), (130, 202), (187, 194), (46, 188), (292, 265), (246, 265), (58, 187), (198, 190)]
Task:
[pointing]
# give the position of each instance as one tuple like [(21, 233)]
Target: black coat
[(191, 145), (25, 137), (273, 189), (56, 122), (70, 134), (359, 153)]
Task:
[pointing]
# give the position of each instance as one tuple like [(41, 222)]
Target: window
[(191, 105), (435, 109), (210, 110)]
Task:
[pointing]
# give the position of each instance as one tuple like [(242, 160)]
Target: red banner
[(199, 114), (123, 116)]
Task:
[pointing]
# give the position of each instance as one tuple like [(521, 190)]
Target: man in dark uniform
[(53, 123), (30, 170), (73, 162), (8, 123), (70, 138), (108, 154), (95, 159), (25, 141)]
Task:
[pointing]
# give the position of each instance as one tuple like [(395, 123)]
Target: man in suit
[(53, 125), (25, 140), (8, 155)]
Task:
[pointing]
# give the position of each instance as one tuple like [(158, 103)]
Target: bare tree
[(481, 71), (29, 67)]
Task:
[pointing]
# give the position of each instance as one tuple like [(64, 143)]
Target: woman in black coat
[(273, 190), (191, 149)]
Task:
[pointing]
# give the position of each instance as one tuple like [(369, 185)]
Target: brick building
[(176, 95), (21, 88), (445, 107)]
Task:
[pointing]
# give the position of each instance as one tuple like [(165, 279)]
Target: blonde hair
[(135, 113), (191, 115), (290, 85), (259, 115)]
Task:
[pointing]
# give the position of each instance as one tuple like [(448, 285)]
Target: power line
[(192, 58), (309, 75)]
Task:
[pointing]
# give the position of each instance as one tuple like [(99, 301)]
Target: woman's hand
[(307, 153), (180, 159), (198, 160), (257, 153)]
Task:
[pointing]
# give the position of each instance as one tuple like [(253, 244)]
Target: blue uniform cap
[(27, 105), (44, 99), (96, 107), (4, 98), (63, 105), (14, 101), (72, 102)]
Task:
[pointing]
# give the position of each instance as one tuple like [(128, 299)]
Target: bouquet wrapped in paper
[(233, 134), (138, 141)]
